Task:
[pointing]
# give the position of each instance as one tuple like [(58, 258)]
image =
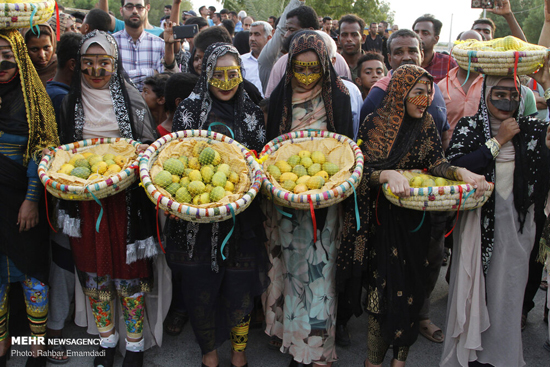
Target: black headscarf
[(133, 117), (531, 179), (246, 120), (334, 92), (200, 108)]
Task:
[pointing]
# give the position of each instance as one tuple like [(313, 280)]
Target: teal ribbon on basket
[(421, 223), (219, 124), (33, 13), (282, 211), (229, 234), (469, 66), (98, 222), (356, 208)]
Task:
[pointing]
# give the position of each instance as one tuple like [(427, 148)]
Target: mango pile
[(424, 180), (202, 178), (89, 166), (303, 172)]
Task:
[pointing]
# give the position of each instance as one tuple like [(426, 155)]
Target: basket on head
[(192, 213), (506, 56), (318, 199), (439, 198), (17, 14), (97, 189)]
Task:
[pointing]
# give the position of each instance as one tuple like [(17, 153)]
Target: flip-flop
[(58, 350), (431, 332)]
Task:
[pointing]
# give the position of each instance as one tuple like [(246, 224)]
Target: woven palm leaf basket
[(337, 148), (508, 56), (452, 197), (182, 143), (98, 186), (16, 14)]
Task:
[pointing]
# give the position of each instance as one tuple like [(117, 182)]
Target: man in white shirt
[(260, 34)]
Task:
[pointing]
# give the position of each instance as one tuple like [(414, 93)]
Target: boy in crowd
[(371, 69)]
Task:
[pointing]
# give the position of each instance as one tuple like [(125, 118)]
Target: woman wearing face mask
[(115, 260), (390, 249), (310, 96), (493, 244), (27, 126), (218, 294)]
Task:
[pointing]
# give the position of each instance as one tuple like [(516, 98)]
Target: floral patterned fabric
[(300, 303)]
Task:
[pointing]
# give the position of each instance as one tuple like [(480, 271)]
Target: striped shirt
[(142, 58)]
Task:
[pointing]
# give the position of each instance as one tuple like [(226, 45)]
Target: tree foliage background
[(369, 10), (529, 14), (156, 12)]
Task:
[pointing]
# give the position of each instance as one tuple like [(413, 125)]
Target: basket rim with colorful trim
[(97, 190), (499, 63), (439, 198), (189, 212), (19, 14), (326, 198)]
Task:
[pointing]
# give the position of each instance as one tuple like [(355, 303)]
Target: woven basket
[(102, 189), (499, 63), (16, 14), (439, 198), (189, 212), (326, 198)]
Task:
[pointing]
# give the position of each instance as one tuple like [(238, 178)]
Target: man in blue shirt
[(62, 266)]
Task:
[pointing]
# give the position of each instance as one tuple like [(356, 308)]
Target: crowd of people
[(408, 106)]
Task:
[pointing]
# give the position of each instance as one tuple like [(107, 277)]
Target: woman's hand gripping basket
[(200, 176), (429, 193), (508, 56), (90, 169), (24, 14), (323, 169)]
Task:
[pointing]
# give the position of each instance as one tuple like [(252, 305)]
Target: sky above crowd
[(406, 11)]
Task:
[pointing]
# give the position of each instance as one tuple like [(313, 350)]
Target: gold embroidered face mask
[(226, 77), (97, 65), (303, 74)]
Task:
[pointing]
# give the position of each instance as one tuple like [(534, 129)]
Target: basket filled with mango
[(506, 56), (430, 193), (311, 168), (90, 169), (200, 176)]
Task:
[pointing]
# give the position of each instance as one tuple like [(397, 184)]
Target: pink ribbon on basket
[(313, 218)]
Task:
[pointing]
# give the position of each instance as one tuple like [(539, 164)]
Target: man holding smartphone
[(486, 27)]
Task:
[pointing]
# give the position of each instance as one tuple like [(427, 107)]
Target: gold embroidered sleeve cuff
[(547, 94), (494, 147)]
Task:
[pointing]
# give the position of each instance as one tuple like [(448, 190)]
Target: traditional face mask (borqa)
[(420, 100), (504, 98), (226, 77), (7, 65), (306, 77), (97, 65)]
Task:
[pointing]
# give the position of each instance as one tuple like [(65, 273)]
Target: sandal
[(431, 332), (174, 323), (58, 354), (275, 343), (543, 285)]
